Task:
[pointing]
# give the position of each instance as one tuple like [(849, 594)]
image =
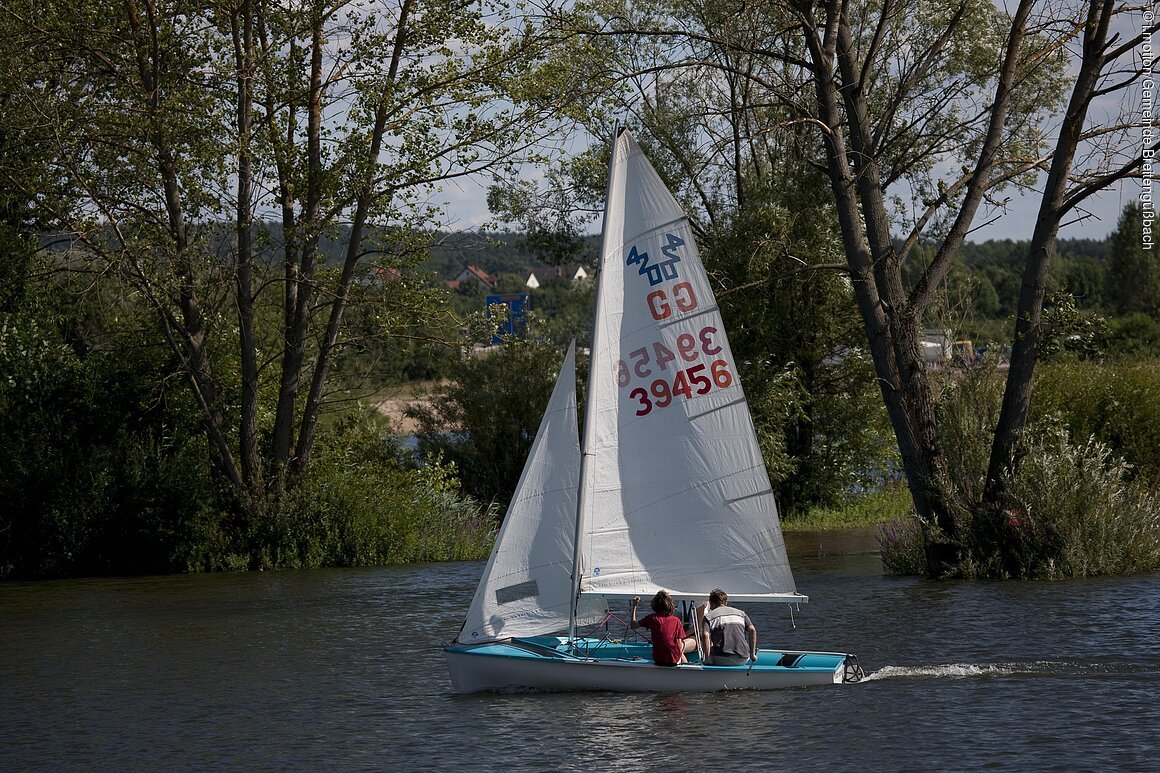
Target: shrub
[(902, 544), (1117, 403), (1078, 514), (484, 418), (362, 504), (871, 508), (101, 463), (1075, 506)]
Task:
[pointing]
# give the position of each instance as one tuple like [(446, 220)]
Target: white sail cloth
[(526, 586), (677, 496)]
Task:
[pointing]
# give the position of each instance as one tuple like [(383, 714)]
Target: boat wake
[(949, 670), (1043, 668)]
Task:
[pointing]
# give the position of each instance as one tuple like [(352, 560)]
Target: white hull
[(473, 670)]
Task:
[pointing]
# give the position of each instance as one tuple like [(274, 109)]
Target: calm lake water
[(341, 670)]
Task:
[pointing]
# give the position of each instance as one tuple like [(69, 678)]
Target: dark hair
[(719, 597), (663, 604)]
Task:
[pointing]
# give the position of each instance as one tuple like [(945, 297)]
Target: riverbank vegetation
[(218, 243), (103, 465), (1084, 499)]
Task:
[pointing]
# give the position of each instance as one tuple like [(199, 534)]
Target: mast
[(586, 444)]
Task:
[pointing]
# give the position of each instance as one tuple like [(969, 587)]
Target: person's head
[(718, 598), (662, 603)]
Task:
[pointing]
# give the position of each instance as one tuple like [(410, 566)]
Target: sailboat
[(669, 493)]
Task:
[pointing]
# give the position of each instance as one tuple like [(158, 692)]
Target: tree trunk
[(1005, 450), (299, 269), (188, 339), (892, 317), (364, 198), (891, 328), (243, 37)]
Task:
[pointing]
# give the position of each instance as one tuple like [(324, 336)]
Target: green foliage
[(1133, 272), (872, 508), (484, 419), (1116, 403), (1076, 513), (562, 311), (1135, 335), (1068, 332), (101, 466), (902, 545), (147, 130), (1076, 507), (1084, 278), (497, 252), (798, 342), (362, 504), (968, 410)]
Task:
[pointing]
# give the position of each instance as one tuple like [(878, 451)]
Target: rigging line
[(584, 484)]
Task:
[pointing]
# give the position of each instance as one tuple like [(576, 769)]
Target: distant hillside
[(508, 252), (451, 252), (498, 253), (1010, 253)]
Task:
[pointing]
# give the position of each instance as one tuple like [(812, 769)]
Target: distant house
[(384, 274), (473, 273), (537, 276), (936, 346)]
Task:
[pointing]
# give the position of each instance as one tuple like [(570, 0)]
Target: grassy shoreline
[(860, 511)]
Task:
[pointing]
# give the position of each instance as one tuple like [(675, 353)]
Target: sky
[(467, 199)]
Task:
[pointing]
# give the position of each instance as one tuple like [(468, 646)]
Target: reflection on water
[(806, 544), (342, 670)]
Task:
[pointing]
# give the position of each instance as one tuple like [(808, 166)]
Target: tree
[(767, 233), (1133, 275), (484, 419), (180, 131), (1106, 66), (945, 102), (99, 468)]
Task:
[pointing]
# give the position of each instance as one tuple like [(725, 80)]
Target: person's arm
[(752, 642), (632, 610)]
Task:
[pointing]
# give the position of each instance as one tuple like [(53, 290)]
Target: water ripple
[(341, 670)]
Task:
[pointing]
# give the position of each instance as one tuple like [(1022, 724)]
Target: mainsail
[(526, 585), (676, 495)]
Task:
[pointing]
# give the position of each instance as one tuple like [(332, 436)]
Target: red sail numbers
[(664, 370)]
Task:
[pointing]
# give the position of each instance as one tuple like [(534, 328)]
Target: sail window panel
[(523, 590)]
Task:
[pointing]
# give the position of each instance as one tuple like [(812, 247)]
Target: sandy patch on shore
[(393, 408)]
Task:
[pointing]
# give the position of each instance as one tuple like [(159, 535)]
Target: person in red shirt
[(669, 642)]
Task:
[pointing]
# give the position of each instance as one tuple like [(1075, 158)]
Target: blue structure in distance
[(515, 322)]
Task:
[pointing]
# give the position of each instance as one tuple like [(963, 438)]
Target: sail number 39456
[(661, 394), (674, 380)]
